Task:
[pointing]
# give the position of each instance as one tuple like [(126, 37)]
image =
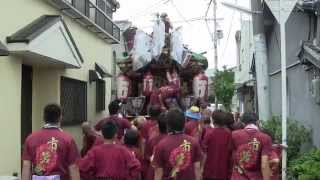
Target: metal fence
[(98, 12)]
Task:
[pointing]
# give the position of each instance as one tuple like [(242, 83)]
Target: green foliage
[(306, 167), (297, 134), (224, 87)]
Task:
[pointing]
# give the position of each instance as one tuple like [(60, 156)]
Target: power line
[(228, 36), (229, 32), (195, 19), (209, 31), (178, 11), (147, 10), (207, 24), (206, 14)]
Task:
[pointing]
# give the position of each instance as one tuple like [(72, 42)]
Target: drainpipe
[(238, 43), (114, 76), (261, 64)]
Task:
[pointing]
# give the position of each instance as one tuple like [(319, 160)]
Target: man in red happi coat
[(50, 151), (110, 160), (177, 156), (121, 123)]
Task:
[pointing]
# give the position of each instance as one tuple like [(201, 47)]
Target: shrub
[(297, 135), (306, 167)]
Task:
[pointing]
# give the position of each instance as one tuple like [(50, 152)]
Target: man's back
[(110, 161), (242, 137), (146, 126), (51, 152), (176, 155), (217, 145)]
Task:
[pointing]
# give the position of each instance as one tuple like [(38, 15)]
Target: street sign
[(286, 6)]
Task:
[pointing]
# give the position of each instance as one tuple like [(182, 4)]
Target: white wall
[(242, 74)]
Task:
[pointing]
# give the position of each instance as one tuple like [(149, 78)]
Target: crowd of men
[(172, 145)]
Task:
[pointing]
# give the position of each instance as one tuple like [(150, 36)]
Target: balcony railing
[(88, 14)]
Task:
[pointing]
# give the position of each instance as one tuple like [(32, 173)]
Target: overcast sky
[(195, 33)]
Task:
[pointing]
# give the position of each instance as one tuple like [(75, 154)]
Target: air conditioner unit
[(315, 90)]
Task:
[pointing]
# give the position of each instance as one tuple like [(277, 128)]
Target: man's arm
[(265, 168), (72, 157), (205, 150), (198, 171), (169, 78), (74, 172), (158, 172), (157, 161), (26, 170), (203, 162), (265, 152)]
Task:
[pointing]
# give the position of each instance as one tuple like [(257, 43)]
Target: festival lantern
[(200, 86), (123, 87), (148, 84)]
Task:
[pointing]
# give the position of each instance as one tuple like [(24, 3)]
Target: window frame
[(100, 95), (85, 108)]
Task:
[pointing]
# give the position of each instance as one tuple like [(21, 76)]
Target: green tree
[(224, 87)]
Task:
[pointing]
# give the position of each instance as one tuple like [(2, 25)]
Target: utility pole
[(283, 19), (215, 43), (215, 35), (261, 63)]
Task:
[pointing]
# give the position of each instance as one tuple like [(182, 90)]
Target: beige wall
[(10, 91), (46, 81), (45, 90)]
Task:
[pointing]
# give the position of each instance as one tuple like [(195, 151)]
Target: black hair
[(229, 119), (269, 133), (236, 126), (131, 138), (249, 117), (162, 123), (206, 116), (114, 107), (197, 103), (52, 113), (154, 111), (176, 120), (219, 117), (109, 130), (207, 121)]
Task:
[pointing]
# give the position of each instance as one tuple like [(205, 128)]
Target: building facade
[(244, 80), (303, 58), (53, 51)]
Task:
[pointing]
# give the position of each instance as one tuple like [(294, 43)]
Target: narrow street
[(160, 89)]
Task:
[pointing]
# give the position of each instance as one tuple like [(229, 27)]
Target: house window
[(109, 8), (73, 100), (81, 5), (106, 6), (100, 95)]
